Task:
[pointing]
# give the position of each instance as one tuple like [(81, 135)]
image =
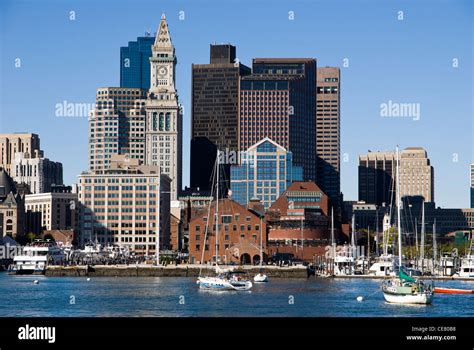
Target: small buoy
[(360, 299), (36, 282), (88, 278)]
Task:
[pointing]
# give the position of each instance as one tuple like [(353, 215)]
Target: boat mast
[(261, 242), (398, 213), (217, 211), (416, 238), (353, 240), (435, 246), (302, 239), (368, 241), (333, 243), (377, 231), (422, 246)]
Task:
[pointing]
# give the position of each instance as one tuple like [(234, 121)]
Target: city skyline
[(449, 158)]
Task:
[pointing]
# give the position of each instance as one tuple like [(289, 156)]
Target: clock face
[(162, 71)]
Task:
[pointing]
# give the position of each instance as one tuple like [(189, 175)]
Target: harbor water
[(172, 297)]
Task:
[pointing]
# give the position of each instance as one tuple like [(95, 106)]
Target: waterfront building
[(164, 128), (33, 222), (38, 173), (116, 126), (266, 170), (472, 185), (376, 177), (128, 204), (278, 101), (447, 219), (192, 201), (299, 222), (58, 209), (416, 174), (366, 215), (176, 233), (12, 208), (328, 132), (176, 226), (238, 232), (135, 63), (214, 113), (10, 144)]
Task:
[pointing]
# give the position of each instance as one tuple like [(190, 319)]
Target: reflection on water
[(167, 296)]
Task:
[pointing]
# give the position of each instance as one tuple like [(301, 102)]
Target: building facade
[(238, 234), (163, 128), (128, 205), (328, 132), (10, 144), (278, 101), (416, 174), (135, 63), (376, 177), (298, 222), (58, 210), (12, 208), (214, 113), (38, 173), (266, 170), (116, 126), (472, 185)]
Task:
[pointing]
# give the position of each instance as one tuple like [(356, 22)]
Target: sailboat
[(224, 279), (404, 289), (261, 277)]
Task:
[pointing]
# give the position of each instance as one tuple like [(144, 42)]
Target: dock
[(167, 271), (194, 271)]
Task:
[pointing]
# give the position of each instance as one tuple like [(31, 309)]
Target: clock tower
[(163, 133)]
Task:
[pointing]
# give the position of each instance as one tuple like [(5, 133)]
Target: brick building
[(299, 222), (238, 234)]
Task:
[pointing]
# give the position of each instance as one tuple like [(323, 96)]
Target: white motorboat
[(260, 278), (467, 267), (344, 265), (467, 264), (383, 266), (36, 257)]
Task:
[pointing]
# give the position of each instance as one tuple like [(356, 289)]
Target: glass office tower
[(135, 63), (266, 170)]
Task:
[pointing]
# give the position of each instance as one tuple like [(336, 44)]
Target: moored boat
[(260, 278), (440, 290), (224, 280), (36, 257), (404, 289)]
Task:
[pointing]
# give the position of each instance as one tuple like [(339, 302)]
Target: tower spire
[(163, 38)]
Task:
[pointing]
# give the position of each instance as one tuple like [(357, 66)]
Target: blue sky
[(407, 61)]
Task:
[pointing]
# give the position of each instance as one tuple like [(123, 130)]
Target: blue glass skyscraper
[(472, 185), (135, 63), (266, 170)]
